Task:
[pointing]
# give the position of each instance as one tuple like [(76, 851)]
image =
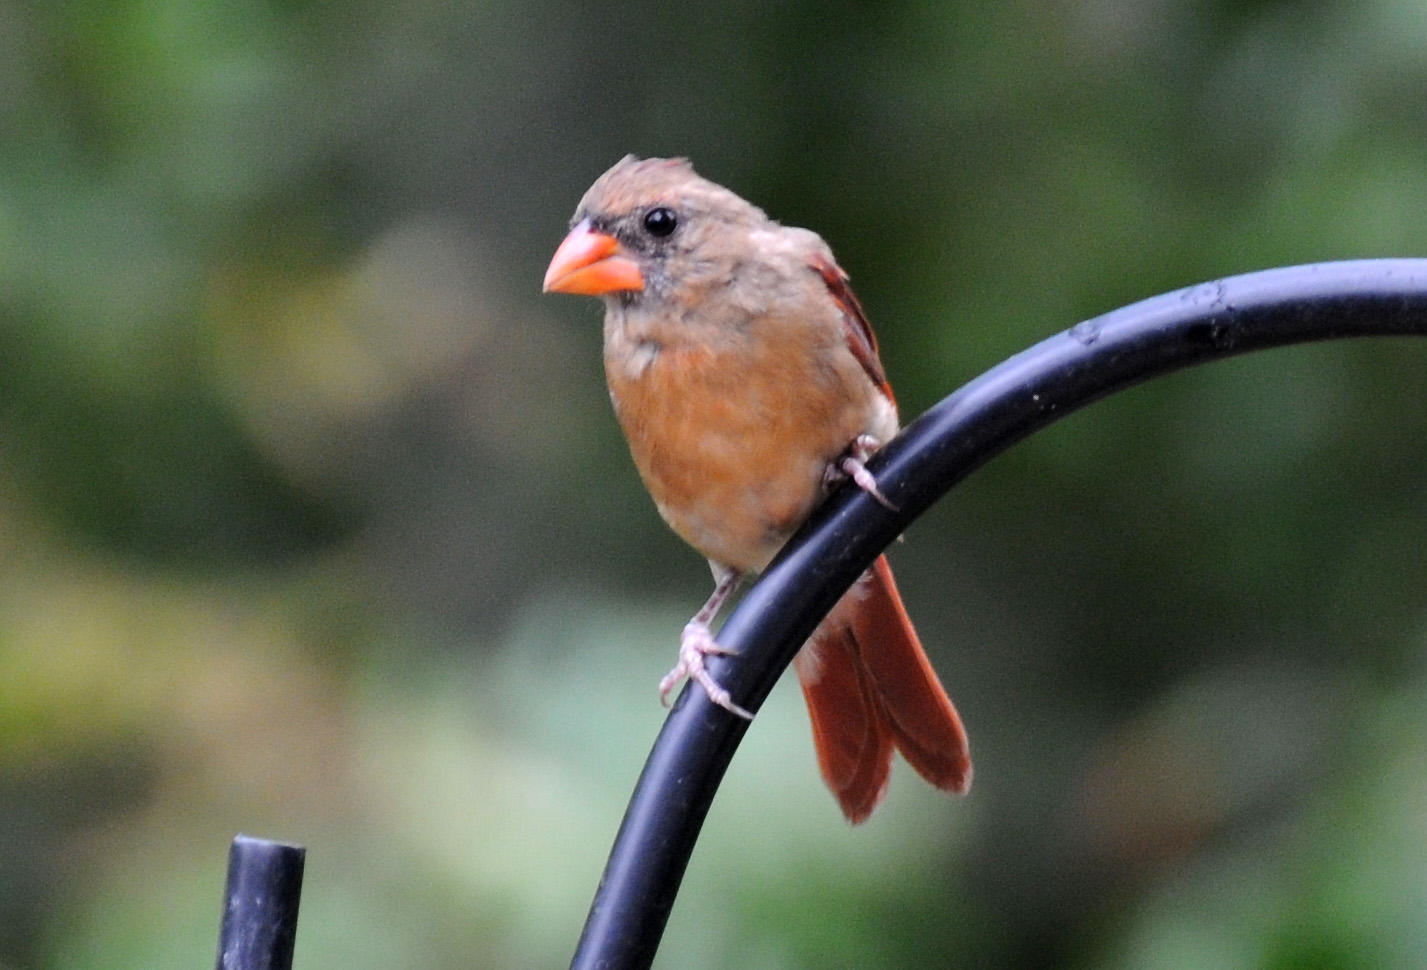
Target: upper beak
[(591, 263)]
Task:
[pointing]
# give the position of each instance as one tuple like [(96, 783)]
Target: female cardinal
[(746, 379)]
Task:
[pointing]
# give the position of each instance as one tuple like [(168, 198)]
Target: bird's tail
[(870, 688)]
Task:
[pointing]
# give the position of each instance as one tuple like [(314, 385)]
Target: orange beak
[(591, 263)]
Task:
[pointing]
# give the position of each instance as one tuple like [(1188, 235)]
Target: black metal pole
[(260, 905), (1232, 316)]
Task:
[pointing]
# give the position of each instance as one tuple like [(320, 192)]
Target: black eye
[(660, 222)]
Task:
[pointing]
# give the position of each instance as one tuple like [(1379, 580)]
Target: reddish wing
[(854, 323)]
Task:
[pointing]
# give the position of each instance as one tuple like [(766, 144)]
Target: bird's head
[(648, 228)]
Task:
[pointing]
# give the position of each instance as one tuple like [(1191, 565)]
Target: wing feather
[(860, 339)]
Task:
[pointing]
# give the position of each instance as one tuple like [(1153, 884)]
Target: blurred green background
[(315, 523)]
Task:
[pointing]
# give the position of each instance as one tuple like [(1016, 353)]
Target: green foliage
[(315, 522)]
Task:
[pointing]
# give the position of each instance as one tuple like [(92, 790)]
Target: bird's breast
[(733, 439)]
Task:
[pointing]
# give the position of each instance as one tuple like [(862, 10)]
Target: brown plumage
[(744, 374)]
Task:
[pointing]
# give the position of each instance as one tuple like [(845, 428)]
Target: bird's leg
[(697, 642), (852, 464)]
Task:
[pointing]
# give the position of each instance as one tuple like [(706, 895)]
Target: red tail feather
[(870, 687)]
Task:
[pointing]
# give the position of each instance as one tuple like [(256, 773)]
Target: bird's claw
[(695, 644), (852, 465)]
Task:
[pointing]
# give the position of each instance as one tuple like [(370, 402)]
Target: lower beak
[(592, 263)]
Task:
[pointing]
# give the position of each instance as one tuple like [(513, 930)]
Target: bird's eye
[(661, 221)]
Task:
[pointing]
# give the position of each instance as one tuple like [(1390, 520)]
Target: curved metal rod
[(1231, 316)]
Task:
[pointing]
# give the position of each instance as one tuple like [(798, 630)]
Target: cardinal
[(746, 379)]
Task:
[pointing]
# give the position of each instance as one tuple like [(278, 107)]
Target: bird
[(747, 381)]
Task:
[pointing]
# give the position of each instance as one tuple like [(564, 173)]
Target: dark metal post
[(260, 905), (1211, 321)]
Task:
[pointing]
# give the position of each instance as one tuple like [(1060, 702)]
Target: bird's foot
[(695, 644), (853, 465)]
